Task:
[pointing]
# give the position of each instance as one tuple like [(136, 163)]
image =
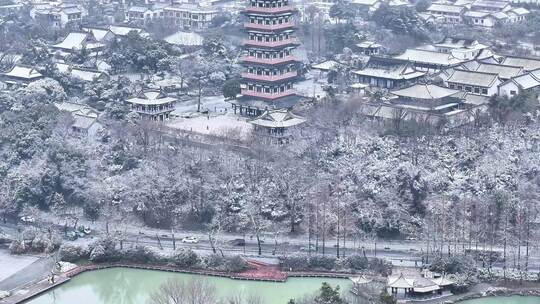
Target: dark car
[(238, 242)]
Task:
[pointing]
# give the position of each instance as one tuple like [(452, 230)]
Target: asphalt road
[(399, 252)]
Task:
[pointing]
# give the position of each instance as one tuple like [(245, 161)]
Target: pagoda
[(271, 69)]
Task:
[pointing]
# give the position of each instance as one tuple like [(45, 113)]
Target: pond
[(504, 300), (134, 286)]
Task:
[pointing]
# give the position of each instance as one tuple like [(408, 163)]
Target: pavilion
[(275, 124)]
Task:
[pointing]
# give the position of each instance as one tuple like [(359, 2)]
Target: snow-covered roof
[(476, 14), (360, 280), (400, 282), (389, 68), (281, 118), (504, 71), (528, 81), (76, 108), (23, 72), (365, 2), (82, 121), (185, 38), (119, 30), (520, 11), (528, 64), (443, 281), (500, 15), (98, 33), (447, 8), (473, 78), (425, 91), (490, 4), (81, 73), (326, 65), (368, 44), (151, 97), (71, 10), (76, 41), (429, 57)]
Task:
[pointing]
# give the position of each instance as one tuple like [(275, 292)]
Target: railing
[(268, 27), (271, 43), (268, 95), (270, 77), (270, 61), (270, 10)]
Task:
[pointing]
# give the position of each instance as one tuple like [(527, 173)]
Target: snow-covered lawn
[(215, 104), (223, 125), (11, 264), (311, 86)]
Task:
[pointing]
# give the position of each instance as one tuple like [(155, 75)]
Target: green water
[(504, 300), (134, 286)]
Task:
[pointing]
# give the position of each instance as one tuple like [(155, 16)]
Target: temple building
[(271, 69), (152, 105), (276, 124)]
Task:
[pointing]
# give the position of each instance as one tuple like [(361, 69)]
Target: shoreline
[(531, 289), (37, 288)]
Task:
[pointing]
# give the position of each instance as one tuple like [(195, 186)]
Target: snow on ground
[(215, 104), (312, 86), (222, 125), (11, 264)]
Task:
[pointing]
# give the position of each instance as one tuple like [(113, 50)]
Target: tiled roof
[(449, 8), (504, 71), (425, 91), (278, 119), (429, 57), (473, 78), (528, 64), (23, 72)]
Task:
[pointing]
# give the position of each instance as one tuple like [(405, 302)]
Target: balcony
[(269, 96), (268, 27), (270, 78), (271, 44), (270, 10), (268, 61)]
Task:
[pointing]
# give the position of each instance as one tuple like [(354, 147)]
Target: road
[(399, 252)]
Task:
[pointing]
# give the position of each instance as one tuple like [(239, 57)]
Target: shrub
[(453, 264), (72, 253), (357, 262), (380, 266), (322, 262), (104, 250), (17, 247), (139, 254), (185, 258), (235, 264), (294, 262)]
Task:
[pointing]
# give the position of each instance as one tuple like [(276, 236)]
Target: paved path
[(32, 290), (34, 272)]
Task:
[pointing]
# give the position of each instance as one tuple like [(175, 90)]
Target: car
[(190, 239), (72, 235), (238, 242), (28, 219)]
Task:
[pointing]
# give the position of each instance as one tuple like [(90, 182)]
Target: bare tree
[(197, 291)]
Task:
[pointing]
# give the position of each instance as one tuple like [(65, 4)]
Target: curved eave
[(267, 45), (269, 97), (269, 79), (277, 28), (263, 11)]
